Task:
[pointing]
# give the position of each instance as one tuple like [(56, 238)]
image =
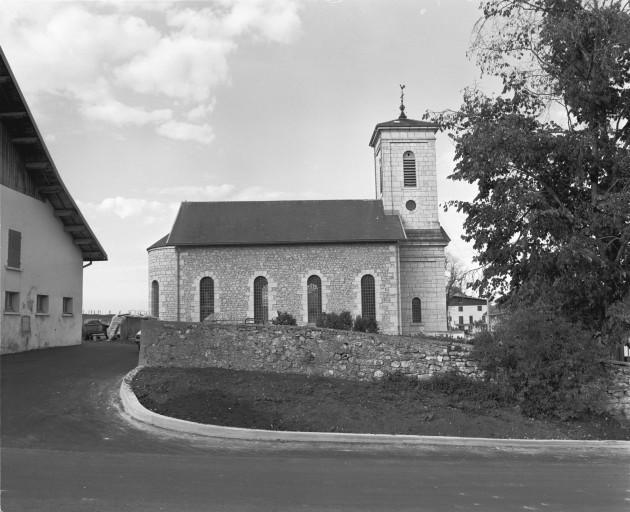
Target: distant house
[(44, 239), (467, 313)]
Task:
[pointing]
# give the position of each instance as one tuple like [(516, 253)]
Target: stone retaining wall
[(618, 393), (306, 350), (314, 351)]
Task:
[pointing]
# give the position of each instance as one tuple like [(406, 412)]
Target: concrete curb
[(135, 410)]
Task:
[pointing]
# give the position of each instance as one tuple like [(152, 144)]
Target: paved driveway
[(65, 447)]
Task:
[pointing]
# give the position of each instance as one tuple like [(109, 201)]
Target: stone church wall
[(286, 268), (163, 269), (422, 276), (392, 146)]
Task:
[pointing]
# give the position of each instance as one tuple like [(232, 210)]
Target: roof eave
[(96, 251), (378, 128), (283, 242)]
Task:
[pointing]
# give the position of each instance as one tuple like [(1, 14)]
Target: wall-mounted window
[(461, 320), (314, 298), (67, 306), (42, 305), (14, 255), (206, 298), (368, 298), (479, 308), (470, 319), (261, 300), (460, 308), (416, 310), (409, 169), (155, 299), (11, 302)]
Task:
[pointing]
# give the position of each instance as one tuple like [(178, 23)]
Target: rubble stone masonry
[(313, 351), (286, 268), (618, 393), (306, 350)]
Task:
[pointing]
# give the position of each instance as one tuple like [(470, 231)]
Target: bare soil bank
[(321, 404)]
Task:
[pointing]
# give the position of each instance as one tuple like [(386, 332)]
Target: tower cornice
[(402, 124)]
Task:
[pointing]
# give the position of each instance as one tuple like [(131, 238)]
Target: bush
[(341, 321), (284, 318), (365, 324), (552, 366)]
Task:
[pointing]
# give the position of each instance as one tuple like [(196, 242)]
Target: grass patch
[(447, 405)]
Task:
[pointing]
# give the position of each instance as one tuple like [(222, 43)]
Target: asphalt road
[(66, 447)]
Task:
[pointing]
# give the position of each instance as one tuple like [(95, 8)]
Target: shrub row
[(342, 321)]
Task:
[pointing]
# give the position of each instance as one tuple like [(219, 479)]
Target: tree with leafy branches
[(550, 157)]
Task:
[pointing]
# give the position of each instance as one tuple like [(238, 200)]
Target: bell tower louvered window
[(206, 298), (368, 299), (409, 169), (261, 300)]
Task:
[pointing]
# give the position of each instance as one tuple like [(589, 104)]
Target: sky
[(146, 104)]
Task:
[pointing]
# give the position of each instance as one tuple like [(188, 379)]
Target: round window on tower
[(411, 205)]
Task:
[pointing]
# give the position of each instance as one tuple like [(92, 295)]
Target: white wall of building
[(477, 312), (51, 264)]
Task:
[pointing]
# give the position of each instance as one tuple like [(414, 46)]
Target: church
[(381, 258)]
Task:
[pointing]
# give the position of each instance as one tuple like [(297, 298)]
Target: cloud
[(223, 192), (117, 113), (178, 130), (165, 201), (196, 192), (185, 67), (200, 112), (131, 63), (125, 207)]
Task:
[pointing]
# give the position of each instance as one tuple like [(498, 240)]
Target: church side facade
[(392, 272), (289, 273)]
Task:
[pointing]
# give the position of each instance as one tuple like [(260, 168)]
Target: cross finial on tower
[(402, 102)]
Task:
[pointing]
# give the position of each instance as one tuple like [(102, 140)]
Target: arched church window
[(314, 298), (155, 299), (416, 310), (206, 298), (368, 299), (409, 169), (261, 300)]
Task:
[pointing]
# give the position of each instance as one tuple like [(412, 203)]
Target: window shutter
[(15, 248)]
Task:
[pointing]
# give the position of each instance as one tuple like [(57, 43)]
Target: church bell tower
[(405, 169), (406, 183)]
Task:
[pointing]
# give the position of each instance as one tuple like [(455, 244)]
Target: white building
[(44, 239), (467, 313)]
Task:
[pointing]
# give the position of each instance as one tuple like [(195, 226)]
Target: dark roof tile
[(160, 243), (283, 222)]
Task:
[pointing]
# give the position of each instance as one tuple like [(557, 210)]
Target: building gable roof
[(16, 117), (160, 243), (465, 300), (283, 222)]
